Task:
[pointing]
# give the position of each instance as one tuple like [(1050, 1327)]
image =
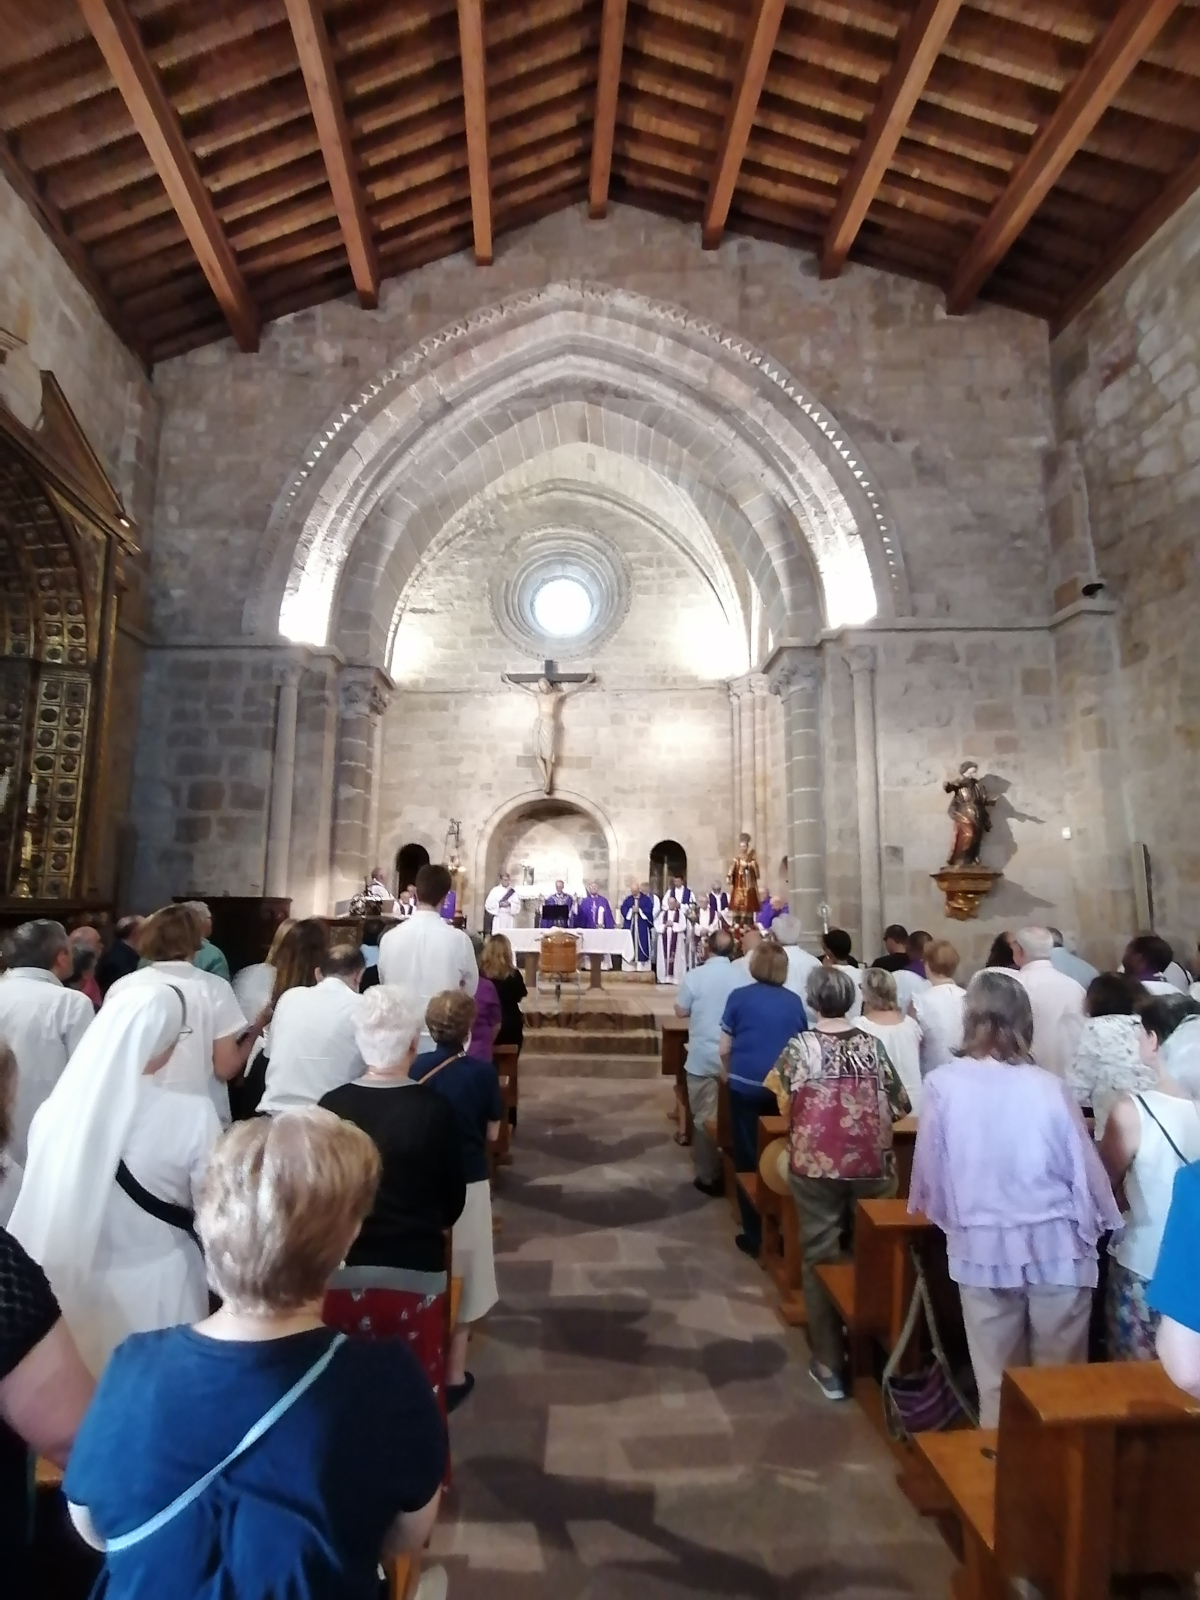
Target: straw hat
[(773, 1166)]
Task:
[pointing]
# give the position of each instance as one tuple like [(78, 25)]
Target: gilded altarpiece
[(65, 544)]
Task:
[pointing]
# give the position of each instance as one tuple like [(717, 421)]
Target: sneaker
[(829, 1383), (747, 1246), (713, 1190)]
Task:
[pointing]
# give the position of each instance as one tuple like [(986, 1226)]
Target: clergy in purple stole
[(594, 911), (637, 914), (556, 907), (449, 906), (773, 906)]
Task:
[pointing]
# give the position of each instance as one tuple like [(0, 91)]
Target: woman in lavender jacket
[(1004, 1166)]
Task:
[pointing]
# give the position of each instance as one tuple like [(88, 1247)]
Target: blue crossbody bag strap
[(284, 1404)]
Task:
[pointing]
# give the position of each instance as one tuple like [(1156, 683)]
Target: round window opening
[(562, 608)]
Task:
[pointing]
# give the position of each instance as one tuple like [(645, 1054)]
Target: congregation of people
[(1057, 1137), (232, 1212), (233, 1207)]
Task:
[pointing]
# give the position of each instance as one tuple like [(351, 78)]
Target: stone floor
[(643, 1425)]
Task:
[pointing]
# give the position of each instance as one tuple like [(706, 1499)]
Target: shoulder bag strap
[(449, 1062), (267, 1421), (163, 1210), (1182, 1159)]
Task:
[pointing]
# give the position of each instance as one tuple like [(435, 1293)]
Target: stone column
[(749, 753), (861, 662), (283, 781), (735, 759), (363, 694), (794, 673), (758, 701)]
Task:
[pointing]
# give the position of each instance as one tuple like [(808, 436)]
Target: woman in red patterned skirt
[(394, 1281)]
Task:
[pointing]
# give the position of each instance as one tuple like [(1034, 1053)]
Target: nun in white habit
[(116, 1267)]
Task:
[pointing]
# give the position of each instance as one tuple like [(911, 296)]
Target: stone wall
[(1128, 396), (953, 414), (42, 302)]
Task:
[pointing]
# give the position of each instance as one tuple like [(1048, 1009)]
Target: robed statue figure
[(969, 815), (743, 881)]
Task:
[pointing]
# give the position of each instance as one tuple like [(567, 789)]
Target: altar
[(594, 943)]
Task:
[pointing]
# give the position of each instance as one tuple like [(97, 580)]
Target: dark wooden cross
[(551, 674)]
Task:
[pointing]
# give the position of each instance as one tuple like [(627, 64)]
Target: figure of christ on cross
[(548, 691)]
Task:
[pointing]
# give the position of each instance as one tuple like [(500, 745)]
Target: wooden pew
[(507, 1061), (781, 1234), (674, 1062), (904, 1138), (1093, 1476)]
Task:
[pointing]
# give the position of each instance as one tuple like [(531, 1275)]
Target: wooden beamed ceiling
[(207, 165)]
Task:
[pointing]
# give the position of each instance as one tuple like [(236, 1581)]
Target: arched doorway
[(410, 858), (668, 859)]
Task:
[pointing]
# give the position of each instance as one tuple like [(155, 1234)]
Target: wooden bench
[(507, 1059), (1093, 1475), (904, 1138), (781, 1254), (674, 1063)]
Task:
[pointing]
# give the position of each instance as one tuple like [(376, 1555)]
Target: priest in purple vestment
[(557, 907), (773, 906), (593, 911), (449, 907)]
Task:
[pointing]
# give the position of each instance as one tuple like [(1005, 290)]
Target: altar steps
[(592, 1036)]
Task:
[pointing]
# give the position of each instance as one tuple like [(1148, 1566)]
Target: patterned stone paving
[(643, 1425)]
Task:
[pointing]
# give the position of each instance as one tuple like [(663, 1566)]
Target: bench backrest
[(1097, 1474)]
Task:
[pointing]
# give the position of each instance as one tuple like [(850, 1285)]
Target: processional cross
[(548, 691)]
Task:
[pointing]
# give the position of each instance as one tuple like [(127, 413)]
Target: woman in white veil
[(114, 1162)]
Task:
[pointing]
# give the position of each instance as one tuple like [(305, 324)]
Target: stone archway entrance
[(668, 859), (546, 839), (410, 858)]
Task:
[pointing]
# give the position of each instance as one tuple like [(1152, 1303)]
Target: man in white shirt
[(786, 929), (837, 946), (426, 954), (1055, 1000), (702, 997), (40, 1020), (311, 1048)]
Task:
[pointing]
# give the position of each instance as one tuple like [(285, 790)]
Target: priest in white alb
[(671, 926), (502, 904)]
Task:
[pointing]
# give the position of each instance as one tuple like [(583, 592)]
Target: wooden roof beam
[(612, 43), (1114, 56), (1175, 194), (752, 72), (155, 119), (329, 114), (474, 75), (920, 44)]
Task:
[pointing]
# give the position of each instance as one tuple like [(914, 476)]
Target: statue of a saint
[(743, 879), (969, 814), (549, 695)]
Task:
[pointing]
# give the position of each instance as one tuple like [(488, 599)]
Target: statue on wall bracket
[(963, 881)]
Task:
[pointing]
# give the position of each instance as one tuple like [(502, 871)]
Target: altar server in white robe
[(502, 904), (671, 926), (109, 1142)]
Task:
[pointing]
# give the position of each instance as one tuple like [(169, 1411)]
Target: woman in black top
[(44, 1386), (472, 1089), (394, 1279), (497, 963)]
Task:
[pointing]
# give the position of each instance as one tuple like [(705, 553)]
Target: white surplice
[(671, 928), (502, 906)]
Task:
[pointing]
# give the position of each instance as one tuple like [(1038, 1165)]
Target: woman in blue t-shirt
[(472, 1088), (757, 1023), (259, 1453)]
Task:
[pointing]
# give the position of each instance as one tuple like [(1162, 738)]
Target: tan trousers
[(1031, 1327), (702, 1098)]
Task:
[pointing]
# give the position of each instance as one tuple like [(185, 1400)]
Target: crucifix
[(548, 691)]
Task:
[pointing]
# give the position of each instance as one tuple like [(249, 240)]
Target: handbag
[(265, 1423), (929, 1400)]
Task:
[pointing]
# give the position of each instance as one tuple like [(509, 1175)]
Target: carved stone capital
[(287, 674), (793, 669), (860, 659), (363, 692)]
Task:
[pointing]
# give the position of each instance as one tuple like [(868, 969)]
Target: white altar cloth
[(591, 941)]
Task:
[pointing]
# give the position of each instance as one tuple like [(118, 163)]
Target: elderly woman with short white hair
[(899, 1034), (259, 1444), (394, 1279)]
